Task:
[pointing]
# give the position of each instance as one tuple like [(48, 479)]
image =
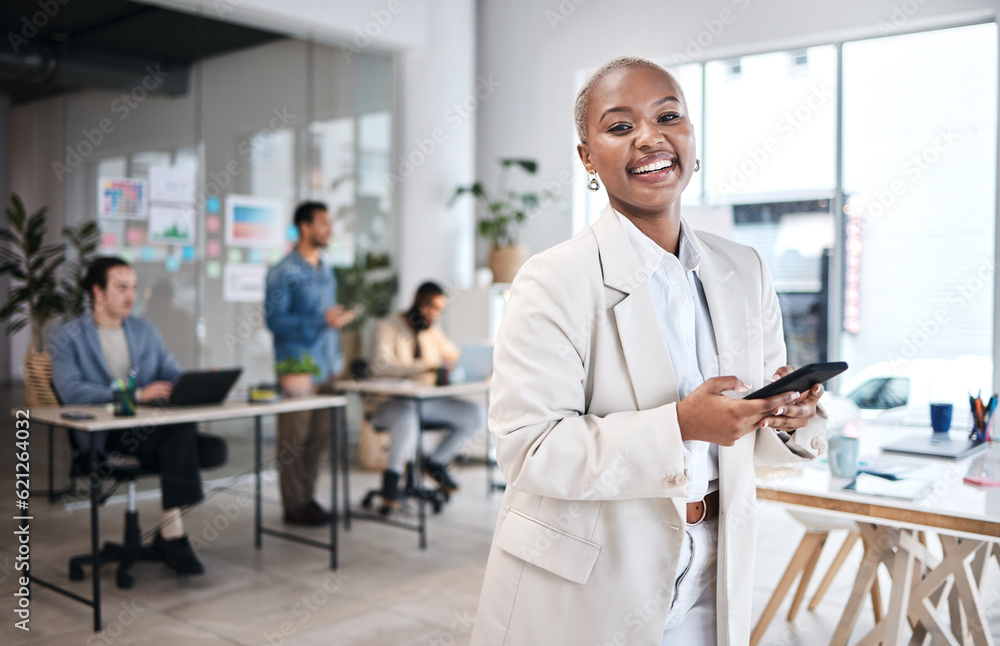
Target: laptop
[(201, 387), (933, 446), (476, 361)]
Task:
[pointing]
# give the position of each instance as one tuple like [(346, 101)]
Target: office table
[(151, 416), (418, 392), (966, 518)]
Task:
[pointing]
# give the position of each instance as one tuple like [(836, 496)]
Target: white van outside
[(901, 391)]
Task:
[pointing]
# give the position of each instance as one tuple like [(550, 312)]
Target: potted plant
[(296, 374), (504, 212), (84, 240), (35, 298)]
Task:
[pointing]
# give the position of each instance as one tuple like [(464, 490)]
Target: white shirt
[(686, 324)]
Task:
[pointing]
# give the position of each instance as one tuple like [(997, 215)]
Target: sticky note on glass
[(187, 253), (212, 204), (292, 233), (173, 263), (109, 240), (128, 255), (213, 223), (213, 269), (256, 256), (148, 254), (135, 236), (213, 248), (235, 255)]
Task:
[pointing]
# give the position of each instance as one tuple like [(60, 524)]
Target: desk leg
[(334, 457), (52, 466), (418, 475), (345, 465), (878, 542), (256, 473), (95, 541)]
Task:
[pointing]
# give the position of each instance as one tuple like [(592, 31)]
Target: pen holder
[(124, 402)]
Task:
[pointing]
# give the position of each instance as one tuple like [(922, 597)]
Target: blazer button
[(670, 481), (681, 480), (818, 444)]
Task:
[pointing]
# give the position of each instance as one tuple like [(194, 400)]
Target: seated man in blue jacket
[(98, 348)]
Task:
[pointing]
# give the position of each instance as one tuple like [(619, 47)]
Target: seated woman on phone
[(411, 345)]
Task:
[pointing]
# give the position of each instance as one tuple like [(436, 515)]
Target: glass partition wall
[(216, 174)]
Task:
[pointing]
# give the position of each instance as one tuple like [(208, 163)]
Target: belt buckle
[(704, 513)]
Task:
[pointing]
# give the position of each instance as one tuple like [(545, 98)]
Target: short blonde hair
[(583, 97)]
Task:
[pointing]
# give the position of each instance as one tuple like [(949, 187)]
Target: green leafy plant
[(303, 364), (83, 240), (504, 211), (36, 296), (370, 283)]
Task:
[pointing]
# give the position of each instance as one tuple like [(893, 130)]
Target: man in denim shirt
[(303, 315)]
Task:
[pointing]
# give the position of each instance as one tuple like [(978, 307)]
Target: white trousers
[(692, 618), (399, 417)]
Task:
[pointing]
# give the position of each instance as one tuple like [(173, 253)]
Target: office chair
[(411, 489), (212, 452)]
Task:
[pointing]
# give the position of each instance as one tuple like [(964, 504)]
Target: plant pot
[(298, 385), (38, 379), (505, 261)]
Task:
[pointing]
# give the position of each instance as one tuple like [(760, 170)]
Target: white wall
[(535, 50)]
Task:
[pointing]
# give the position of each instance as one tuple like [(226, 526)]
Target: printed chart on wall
[(122, 198), (171, 224), (243, 282), (254, 222)]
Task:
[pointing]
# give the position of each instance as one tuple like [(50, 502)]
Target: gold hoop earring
[(697, 165), (592, 182)]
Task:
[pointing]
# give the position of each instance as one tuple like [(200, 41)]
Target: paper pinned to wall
[(243, 283), (171, 224), (122, 197), (171, 184), (254, 222)]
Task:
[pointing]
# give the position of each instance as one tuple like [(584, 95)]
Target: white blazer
[(584, 418)]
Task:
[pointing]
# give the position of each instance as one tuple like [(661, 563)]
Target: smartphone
[(801, 380), (75, 414)]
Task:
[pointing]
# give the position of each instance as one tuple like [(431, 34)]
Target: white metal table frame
[(152, 417), (418, 393)]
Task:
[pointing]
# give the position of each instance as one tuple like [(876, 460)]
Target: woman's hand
[(797, 414), (708, 415)]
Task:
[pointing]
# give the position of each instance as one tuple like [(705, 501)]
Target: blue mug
[(941, 417)]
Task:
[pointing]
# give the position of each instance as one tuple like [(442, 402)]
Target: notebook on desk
[(200, 387), (932, 446)]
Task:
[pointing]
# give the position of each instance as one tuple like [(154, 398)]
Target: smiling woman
[(621, 450)]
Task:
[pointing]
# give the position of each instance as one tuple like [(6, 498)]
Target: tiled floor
[(387, 591)]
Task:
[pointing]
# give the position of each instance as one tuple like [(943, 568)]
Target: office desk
[(151, 416), (407, 389), (966, 519)]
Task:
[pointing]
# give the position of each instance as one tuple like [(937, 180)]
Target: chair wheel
[(436, 504), (76, 572), (367, 502), (124, 580)]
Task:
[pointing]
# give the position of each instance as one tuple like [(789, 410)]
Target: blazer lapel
[(646, 356)]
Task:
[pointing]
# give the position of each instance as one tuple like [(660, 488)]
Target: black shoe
[(392, 497), (310, 515), (177, 553), (439, 473)]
